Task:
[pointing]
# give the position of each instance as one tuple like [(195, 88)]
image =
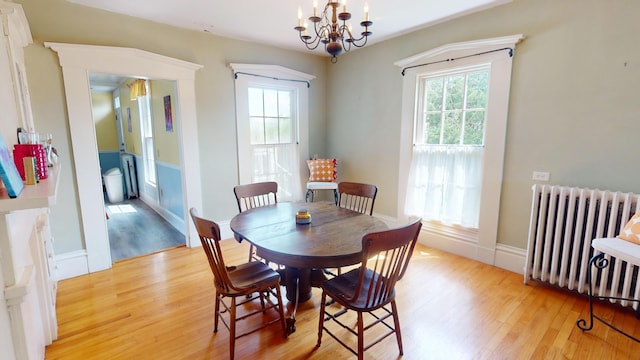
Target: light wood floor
[(160, 306)]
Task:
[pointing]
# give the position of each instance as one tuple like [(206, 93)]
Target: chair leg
[(335, 196), (360, 336), (599, 262), (281, 311), (217, 313), (321, 317), (250, 252), (582, 324), (232, 329), (396, 325)]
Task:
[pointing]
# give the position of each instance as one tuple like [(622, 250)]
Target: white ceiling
[(272, 22)]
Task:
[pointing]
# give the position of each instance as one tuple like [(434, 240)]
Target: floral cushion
[(323, 170), (631, 231)]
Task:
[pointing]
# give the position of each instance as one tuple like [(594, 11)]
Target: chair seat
[(253, 275), (320, 185), (618, 248), (343, 287)]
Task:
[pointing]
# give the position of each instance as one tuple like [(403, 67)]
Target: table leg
[(300, 280)]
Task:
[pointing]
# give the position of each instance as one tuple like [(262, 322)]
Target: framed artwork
[(168, 118), (129, 128), (8, 171)]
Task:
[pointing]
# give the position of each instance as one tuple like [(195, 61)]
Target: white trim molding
[(456, 56), (77, 62)]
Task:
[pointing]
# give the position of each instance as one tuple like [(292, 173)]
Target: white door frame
[(77, 62)]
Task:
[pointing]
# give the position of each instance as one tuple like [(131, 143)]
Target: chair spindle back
[(254, 195), (357, 196), (386, 256)]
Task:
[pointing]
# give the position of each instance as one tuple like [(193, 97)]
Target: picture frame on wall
[(8, 172), (168, 117), (129, 126)]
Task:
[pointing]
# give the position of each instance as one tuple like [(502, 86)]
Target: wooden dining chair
[(255, 195), (357, 196), (354, 196), (239, 281), (369, 289)]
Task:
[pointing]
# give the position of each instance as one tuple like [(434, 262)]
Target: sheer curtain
[(444, 183), (279, 163)]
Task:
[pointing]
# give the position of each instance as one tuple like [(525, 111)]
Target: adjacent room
[(460, 170)]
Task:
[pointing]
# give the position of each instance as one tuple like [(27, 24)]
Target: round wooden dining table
[(332, 239)]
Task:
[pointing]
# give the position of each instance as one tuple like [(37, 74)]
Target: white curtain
[(279, 163), (445, 184)]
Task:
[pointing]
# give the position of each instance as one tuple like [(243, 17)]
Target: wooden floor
[(136, 229), (160, 306)]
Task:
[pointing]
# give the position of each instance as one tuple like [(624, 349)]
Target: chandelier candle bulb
[(366, 11)]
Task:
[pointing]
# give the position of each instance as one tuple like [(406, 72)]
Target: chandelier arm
[(310, 44)]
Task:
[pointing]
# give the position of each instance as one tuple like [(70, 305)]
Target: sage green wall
[(573, 107), (61, 21), (105, 120)]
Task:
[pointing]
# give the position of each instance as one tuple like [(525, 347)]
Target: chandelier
[(336, 36)]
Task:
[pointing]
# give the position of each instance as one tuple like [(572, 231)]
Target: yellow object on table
[(303, 217)]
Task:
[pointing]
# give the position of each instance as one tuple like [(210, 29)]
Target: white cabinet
[(28, 320)]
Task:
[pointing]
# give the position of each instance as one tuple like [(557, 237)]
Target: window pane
[(271, 102), (284, 104), (452, 128), (433, 99), (271, 130), (432, 128), (256, 128), (477, 89), (286, 131), (455, 92), (255, 102), (474, 128)]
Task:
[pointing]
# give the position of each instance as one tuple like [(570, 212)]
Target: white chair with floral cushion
[(625, 248), (322, 176)]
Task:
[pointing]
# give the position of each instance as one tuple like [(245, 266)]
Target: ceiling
[(272, 22)]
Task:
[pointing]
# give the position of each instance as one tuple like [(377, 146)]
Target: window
[(454, 120), (273, 135), (272, 127), (146, 133), (453, 108), (445, 176)]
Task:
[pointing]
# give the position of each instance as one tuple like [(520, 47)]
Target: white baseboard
[(504, 256), (510, 258), (71, 264)]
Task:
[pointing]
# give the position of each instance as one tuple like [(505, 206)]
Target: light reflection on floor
[(120, 209)]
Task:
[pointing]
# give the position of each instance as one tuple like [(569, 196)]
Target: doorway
[(77, 61), (141, 220)]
